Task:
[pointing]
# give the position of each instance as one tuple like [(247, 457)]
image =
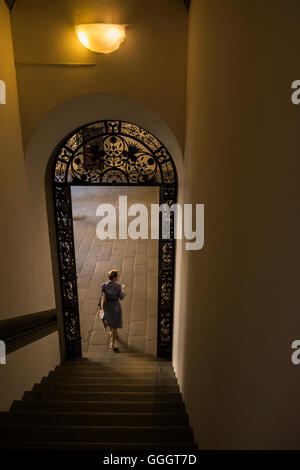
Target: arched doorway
[(111, 152)]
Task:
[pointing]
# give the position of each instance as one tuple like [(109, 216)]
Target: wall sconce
[(103, 38)]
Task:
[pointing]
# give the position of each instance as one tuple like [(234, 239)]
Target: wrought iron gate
[(112, 153)]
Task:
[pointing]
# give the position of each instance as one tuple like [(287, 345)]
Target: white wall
[(149, 67), (25, 278), (142, 82), (240, 293), (27, 366)]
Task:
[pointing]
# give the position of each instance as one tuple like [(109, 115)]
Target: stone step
[(118, 353), (67, 387), (123, 377), (115, 365), (113, 402), (118, 364), (53, 378), (94, 419), (102, 396), (117, 359), (112, 353), (96, 433), (122, 372), (179, 447), (98, 406), (94, 355)]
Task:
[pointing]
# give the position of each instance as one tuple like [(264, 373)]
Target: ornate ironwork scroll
[(112, 153), (166, 276), (67, 266)]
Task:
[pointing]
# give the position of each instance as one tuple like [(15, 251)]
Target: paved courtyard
[(137, 261)]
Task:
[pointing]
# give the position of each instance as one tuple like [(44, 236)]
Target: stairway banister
[(19, 331)]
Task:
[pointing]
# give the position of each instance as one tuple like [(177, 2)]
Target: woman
[(111, 293)]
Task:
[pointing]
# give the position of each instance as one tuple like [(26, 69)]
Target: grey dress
[(112, 307)]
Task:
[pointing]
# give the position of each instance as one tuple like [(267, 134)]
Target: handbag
[(101, 314)]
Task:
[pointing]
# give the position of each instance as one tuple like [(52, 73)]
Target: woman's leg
[(114, 335)]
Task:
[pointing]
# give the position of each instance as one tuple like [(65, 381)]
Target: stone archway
[(111, 153)]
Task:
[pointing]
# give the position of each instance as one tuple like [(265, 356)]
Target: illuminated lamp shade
[(101, 37)]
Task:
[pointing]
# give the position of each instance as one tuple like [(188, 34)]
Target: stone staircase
[(114, 402)]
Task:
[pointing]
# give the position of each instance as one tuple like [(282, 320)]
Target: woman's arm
[(121, 293), (102, 297), (102, 300)]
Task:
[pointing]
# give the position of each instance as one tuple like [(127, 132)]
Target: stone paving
[(137, 261)]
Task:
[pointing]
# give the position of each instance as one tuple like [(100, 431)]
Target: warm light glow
[(101, 37), (83, 38)]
